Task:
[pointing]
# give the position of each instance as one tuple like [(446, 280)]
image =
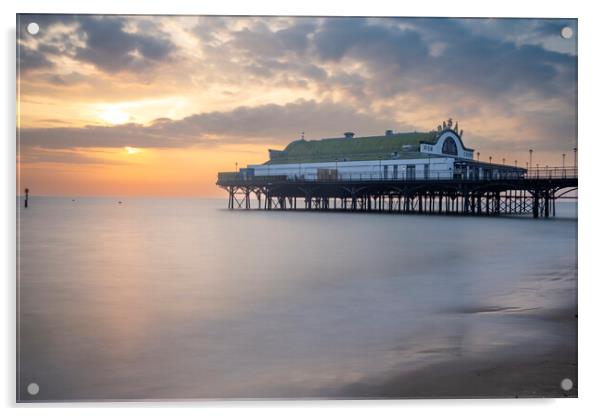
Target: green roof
[(393, 146)]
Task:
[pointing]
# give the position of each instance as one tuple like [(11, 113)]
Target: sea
[(179, 298)]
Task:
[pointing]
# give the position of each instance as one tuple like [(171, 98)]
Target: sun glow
[(114, 115), (132, 150)]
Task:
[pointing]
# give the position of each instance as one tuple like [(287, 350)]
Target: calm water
[(180, 298)]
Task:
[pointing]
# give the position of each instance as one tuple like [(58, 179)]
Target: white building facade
[(401, 156)]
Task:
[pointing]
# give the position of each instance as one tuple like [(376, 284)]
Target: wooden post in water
[(26, 197)]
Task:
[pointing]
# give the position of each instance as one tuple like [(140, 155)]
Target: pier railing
[(535, 173), (552, 173)]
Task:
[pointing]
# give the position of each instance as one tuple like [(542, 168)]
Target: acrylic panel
[(227, 207)]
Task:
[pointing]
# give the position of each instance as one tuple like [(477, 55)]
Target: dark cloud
[(36, 55), (29, 59), (282, 122), (262, 124), (274, 70), (44, 21), (480, 56), (401, 59), (259, 40), (485, 57), (372, 43), (111, 48), (108, 45), (521, 31), (207, 27), (296, 37), (73, 78), (493, 66)]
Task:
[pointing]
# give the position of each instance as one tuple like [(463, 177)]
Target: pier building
[(439, 154), (423, 172)]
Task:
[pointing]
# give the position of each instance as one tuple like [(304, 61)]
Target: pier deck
[(535, 193)]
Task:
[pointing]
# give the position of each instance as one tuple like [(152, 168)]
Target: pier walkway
[(534, 193)]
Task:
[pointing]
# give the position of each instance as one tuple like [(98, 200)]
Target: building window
[(449, 147)]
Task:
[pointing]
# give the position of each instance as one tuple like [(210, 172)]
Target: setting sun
[(132, 150), (114, 115)]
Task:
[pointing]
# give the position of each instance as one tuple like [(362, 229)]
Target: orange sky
[(159, 105)]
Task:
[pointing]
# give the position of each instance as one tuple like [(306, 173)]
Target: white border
[(589, 218)]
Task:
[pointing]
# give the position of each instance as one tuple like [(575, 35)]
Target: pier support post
[(547, 203), (497, 203)]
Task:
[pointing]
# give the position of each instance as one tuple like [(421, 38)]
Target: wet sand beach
[(519, 375), (527, 370)]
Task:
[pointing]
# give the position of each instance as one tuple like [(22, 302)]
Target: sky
[(157, 105)]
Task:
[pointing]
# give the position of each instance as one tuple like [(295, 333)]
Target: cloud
[(400, 57), (369, 41), (494, 66), (386, 57), (29, 59), (44, 21), (54, 156), (540, 32), (260, 40), (110, 48), (111, 43), (486, 57), (363, 74), (262, 124)]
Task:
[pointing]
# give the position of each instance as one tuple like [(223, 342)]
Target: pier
[(533, 193)]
